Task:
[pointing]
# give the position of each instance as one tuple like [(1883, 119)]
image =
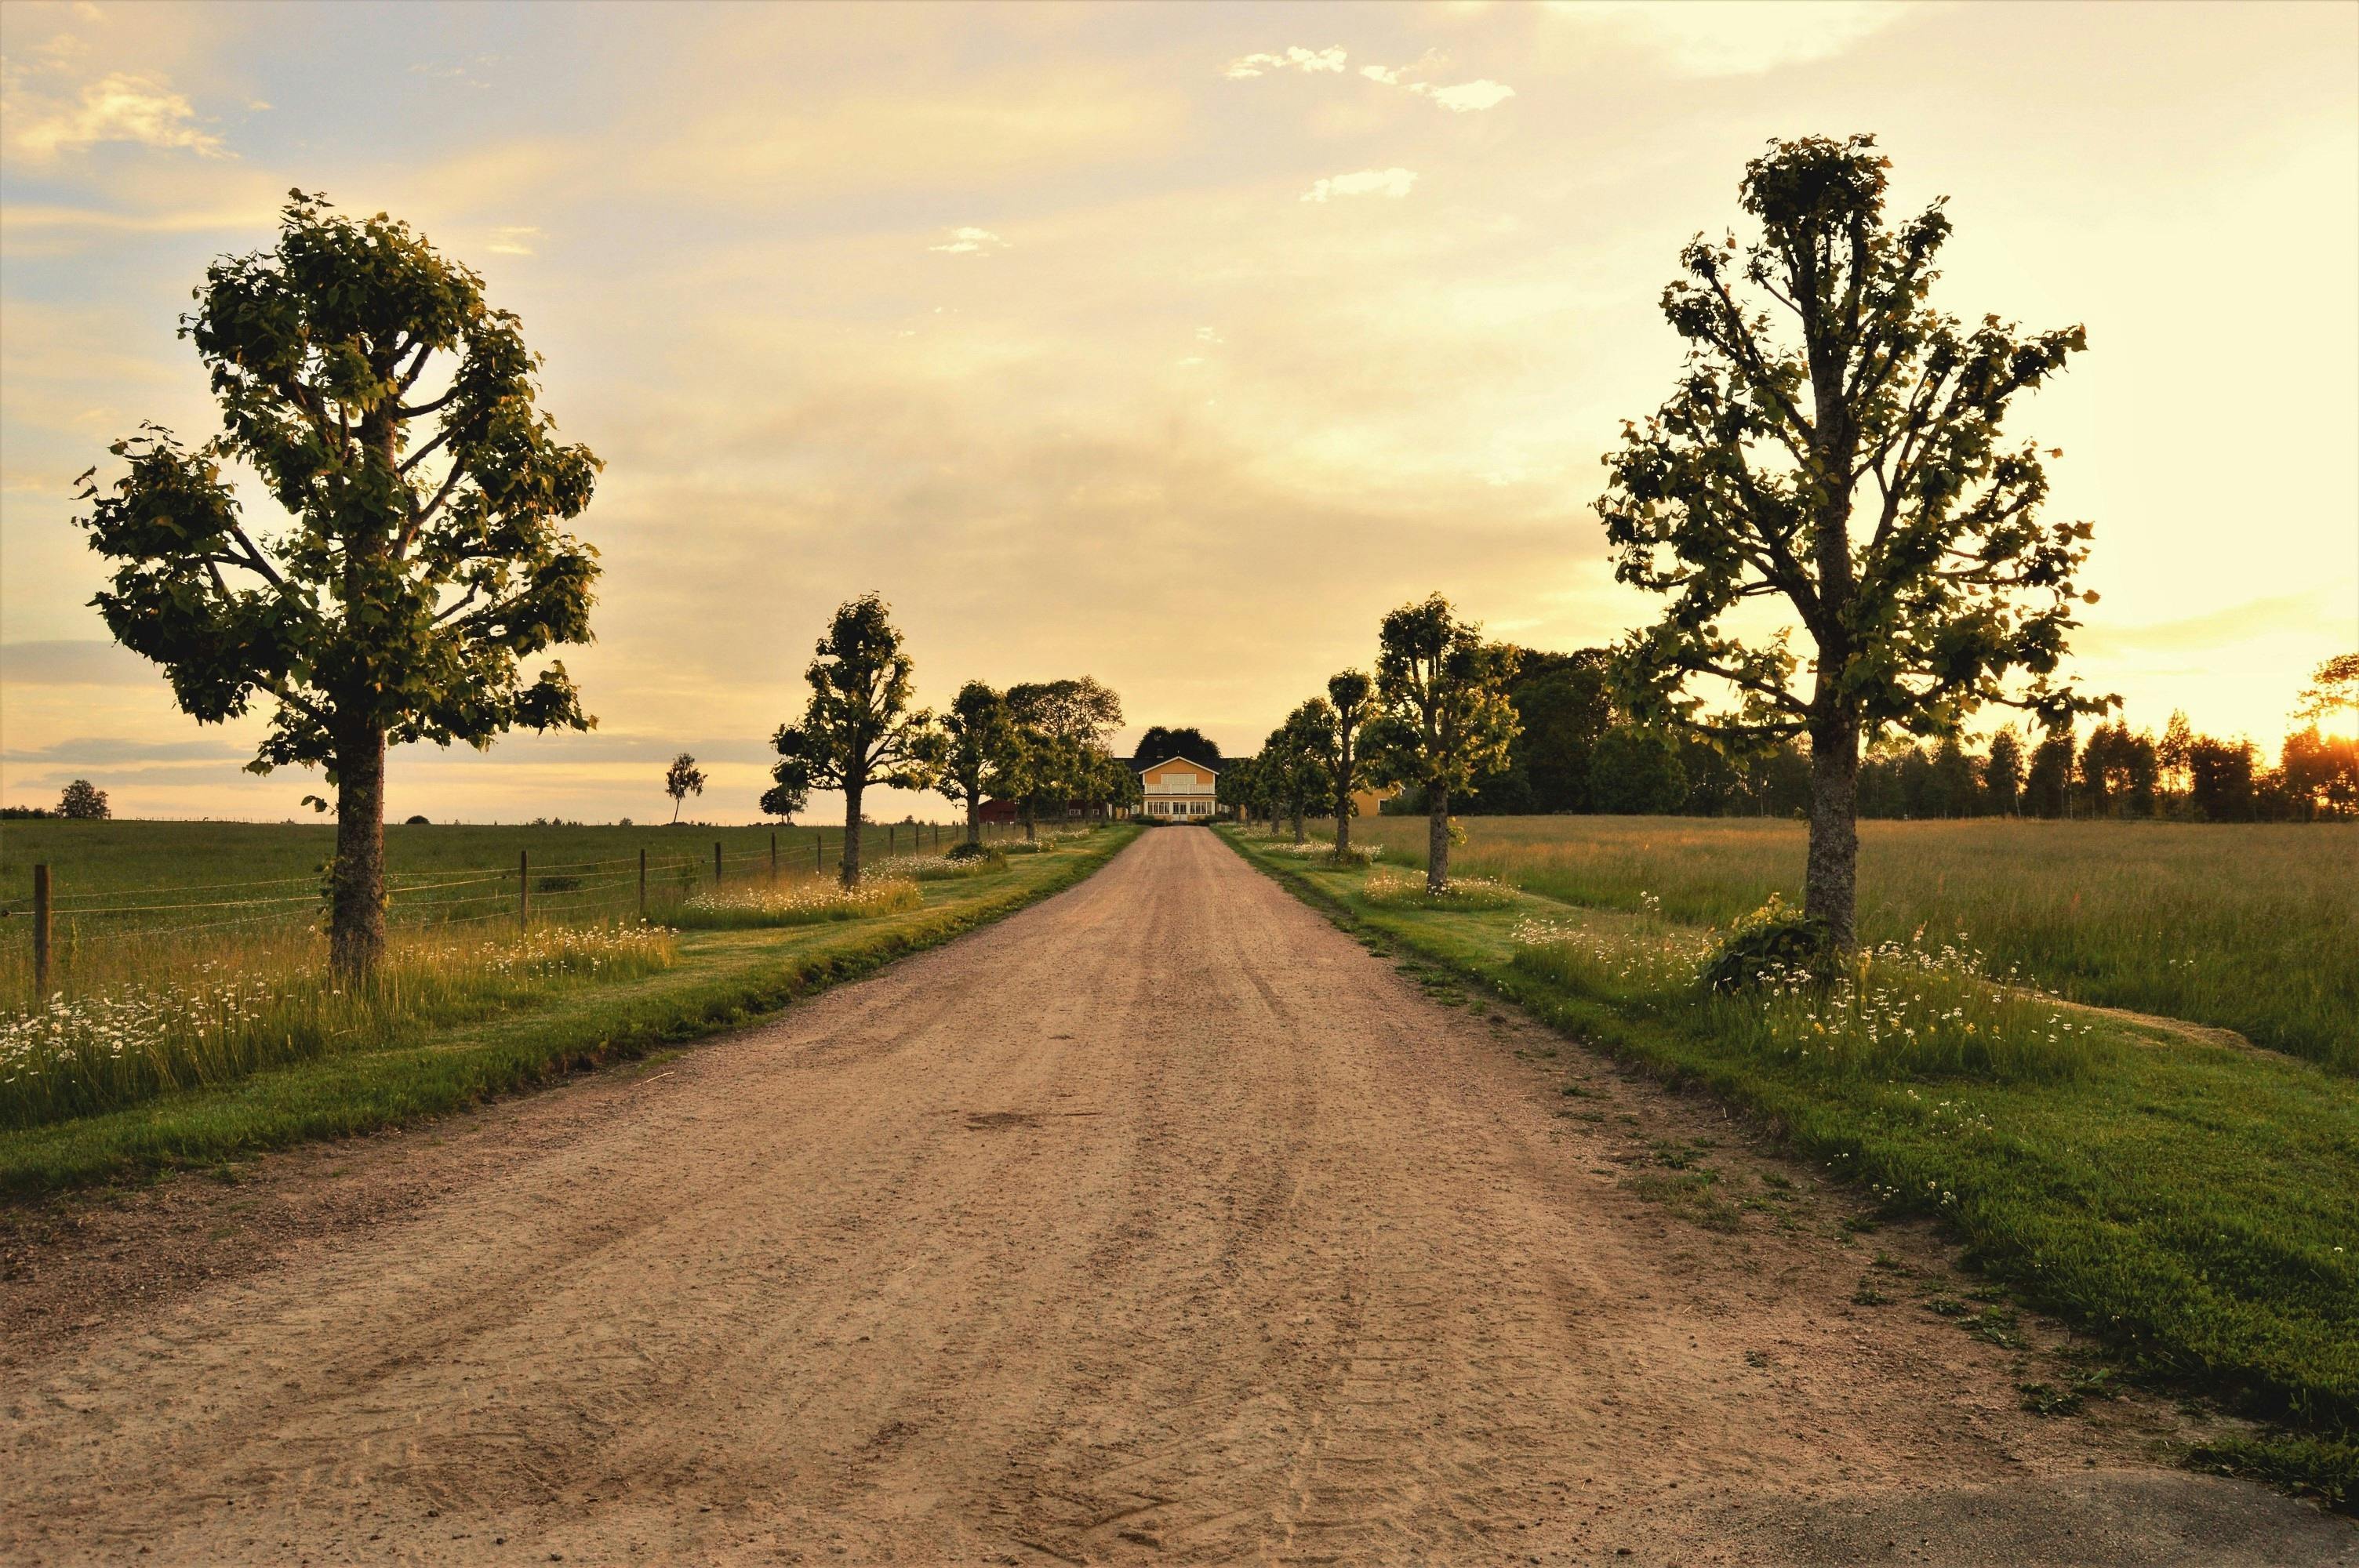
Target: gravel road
[(1159, 1223)]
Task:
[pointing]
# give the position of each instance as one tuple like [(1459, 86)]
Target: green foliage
[(858, 730), (684, 778), (1296, 764), (973, 854), (425, 559), (1057, 755), (1442, 718), (1160, 745), (1743, 484), (970, 752), (84, 802), (1635, 770), (1776, 945)]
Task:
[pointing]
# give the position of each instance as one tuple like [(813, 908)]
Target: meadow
[(169, 1037), (2187, 1199), (2254, 928)]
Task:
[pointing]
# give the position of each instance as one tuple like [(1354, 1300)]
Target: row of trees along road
[(1435, 719), (1040, 744), (1833, 445)]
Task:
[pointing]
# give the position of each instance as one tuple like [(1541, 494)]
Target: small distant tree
[(683, 779), (84, 802), (1636, 770), (2003, 772), (1351, 695), (389, 411), (858, 731), (2173, 753), (1955, 786), (2222, 787), (1160, 745), (1442, 720), (2320, 772), (1745, 484), (971, 755), (782, 801), (1237, 786)]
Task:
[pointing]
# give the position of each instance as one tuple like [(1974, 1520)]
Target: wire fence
[(57, 919)]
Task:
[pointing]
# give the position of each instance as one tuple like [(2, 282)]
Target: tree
[(1296, 761), (1635, 770), (2172, 753), (1955, 786), (2333, 694), (1443, 721), (684, 778), (1238, 786), (1160, 745), (2221, 779), (972, 751), (2048, 782), (1058, 742), (781, 801), (1744, 486), (84, 802), (1348, 695), (2320, 772), (858, 730), (390, 413), (2003, 772), (2119, 770)]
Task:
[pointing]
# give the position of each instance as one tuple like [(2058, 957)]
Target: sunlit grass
[(2245, 927), (173, 1014), (802, 903)]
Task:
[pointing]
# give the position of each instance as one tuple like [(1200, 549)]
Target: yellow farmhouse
[(1176, 789)]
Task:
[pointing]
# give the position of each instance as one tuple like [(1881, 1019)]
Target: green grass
[(2194, 1204), (2245, 927), (718, 979)]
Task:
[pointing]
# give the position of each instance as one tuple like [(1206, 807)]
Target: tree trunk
[(1031, 822), (852, 835), (1437, 839), (974, 819), (1831, 884), (1344, 803), (356, 889), (1297, 823), (675, 810)]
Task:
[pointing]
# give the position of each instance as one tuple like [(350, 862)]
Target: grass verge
[(2190, 1203), (720, 979)]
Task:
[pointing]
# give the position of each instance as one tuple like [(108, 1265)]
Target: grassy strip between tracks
[(722, 980), (2191, 1202)]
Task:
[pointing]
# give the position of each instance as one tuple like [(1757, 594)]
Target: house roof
[(1139, 767)]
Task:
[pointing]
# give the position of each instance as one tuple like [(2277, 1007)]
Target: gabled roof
[(1139, 767)]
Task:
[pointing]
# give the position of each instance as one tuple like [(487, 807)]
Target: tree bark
[(1343, 796), (850, 874), (1031, 820), (356, 888), (1299, 835), (974, 819), (1437, 839), (1831, 884)]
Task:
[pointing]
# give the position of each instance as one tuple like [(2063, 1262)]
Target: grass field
[(178, 1058), (2250, 928), (2190, 1201)]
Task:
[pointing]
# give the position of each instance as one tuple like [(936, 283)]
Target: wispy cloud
[(1309, 61), (969, 241), (118, 107), (1467, 97), (516, 240), (1393, 182)]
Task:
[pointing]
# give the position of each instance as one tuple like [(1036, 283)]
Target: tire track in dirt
[(1157, 1223)]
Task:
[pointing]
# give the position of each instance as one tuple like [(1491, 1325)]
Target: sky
[(1173, 345)]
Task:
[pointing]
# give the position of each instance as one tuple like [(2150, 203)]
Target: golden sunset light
[(1173, 345)]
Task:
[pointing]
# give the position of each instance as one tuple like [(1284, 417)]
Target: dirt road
[(1160, 1223)]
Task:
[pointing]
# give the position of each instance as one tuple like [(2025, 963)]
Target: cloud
[(512, 240), (1467, 97), (118, 107), (73, 662), (1739, 37), (969, 241), (1309, 61), (1393, 182)]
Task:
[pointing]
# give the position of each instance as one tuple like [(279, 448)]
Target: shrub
[(800, 903), (1776, 944), (972, 852), (417, 821)]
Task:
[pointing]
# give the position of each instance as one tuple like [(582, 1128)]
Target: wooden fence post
[(41, 932), (819, 851), (524, 890), (716, 865), (890, 831), (774, 856), (643, 885)]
